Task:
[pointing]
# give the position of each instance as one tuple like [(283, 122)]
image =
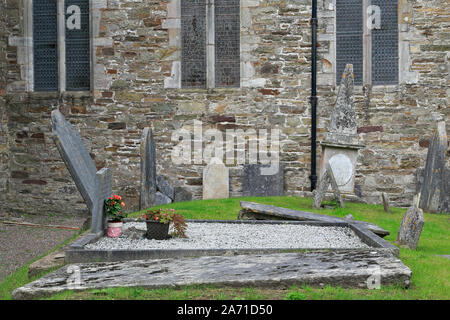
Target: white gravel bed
[(240, 236)]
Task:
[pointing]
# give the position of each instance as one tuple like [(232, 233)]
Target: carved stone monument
[(340, 148), (148, 170), (434, 184), (325, 182), (95, 187), (216, 180)]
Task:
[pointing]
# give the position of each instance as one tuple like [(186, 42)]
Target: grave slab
[(216, 180), (349, 269), (251, 211)]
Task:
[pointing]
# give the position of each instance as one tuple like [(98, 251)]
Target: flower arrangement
[(113, 209), (166, 216)]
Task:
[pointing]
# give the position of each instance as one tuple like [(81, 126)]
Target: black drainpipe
[(313, 176)]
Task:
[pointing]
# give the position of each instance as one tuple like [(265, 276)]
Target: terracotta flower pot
[(157, 230), (114, 229)]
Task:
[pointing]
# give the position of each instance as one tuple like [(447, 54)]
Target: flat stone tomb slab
[(347, 268), (206, 238)]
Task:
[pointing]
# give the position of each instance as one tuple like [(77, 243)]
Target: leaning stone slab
[(95, 187), (433, 188), (411, 228), (324, 184), (148, 170), (216, 180), (256, 211), (256, 183), (347, 268), (76, 157)]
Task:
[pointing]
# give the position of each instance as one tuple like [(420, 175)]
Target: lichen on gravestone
[(411, 226)]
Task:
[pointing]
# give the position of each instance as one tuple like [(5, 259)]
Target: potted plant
[(158, 222), (115, 215)]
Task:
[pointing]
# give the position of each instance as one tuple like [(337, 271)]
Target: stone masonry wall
[(135, 45), (3, 116)]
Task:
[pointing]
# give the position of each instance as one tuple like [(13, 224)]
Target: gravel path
[(240, 236), (20, 244)]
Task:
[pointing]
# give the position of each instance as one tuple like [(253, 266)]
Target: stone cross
[(326, 180), (216, 180), (434, 187), (94, 187), (411, 227), (148, 170)]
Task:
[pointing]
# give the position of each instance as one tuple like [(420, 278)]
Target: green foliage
[(114, 209), (164, 215)]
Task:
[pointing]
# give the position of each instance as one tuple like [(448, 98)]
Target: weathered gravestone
[(181, 195), (256, 211), (257, 184), (411, 227), (95, 187), (325, 182), (386, 204), (148, 170), (165, 188), (433, 181), (340, 148), (161, 198), (216, 180)]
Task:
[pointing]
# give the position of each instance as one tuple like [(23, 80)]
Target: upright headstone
[(343, 127), (411, 227), (340, 148), (256, 184), (386, 204), (216, 180), (182, 195), (93, 186), (148, 170), (433, 189), (326, 181)]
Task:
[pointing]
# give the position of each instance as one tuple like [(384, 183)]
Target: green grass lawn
[(430, 272)]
